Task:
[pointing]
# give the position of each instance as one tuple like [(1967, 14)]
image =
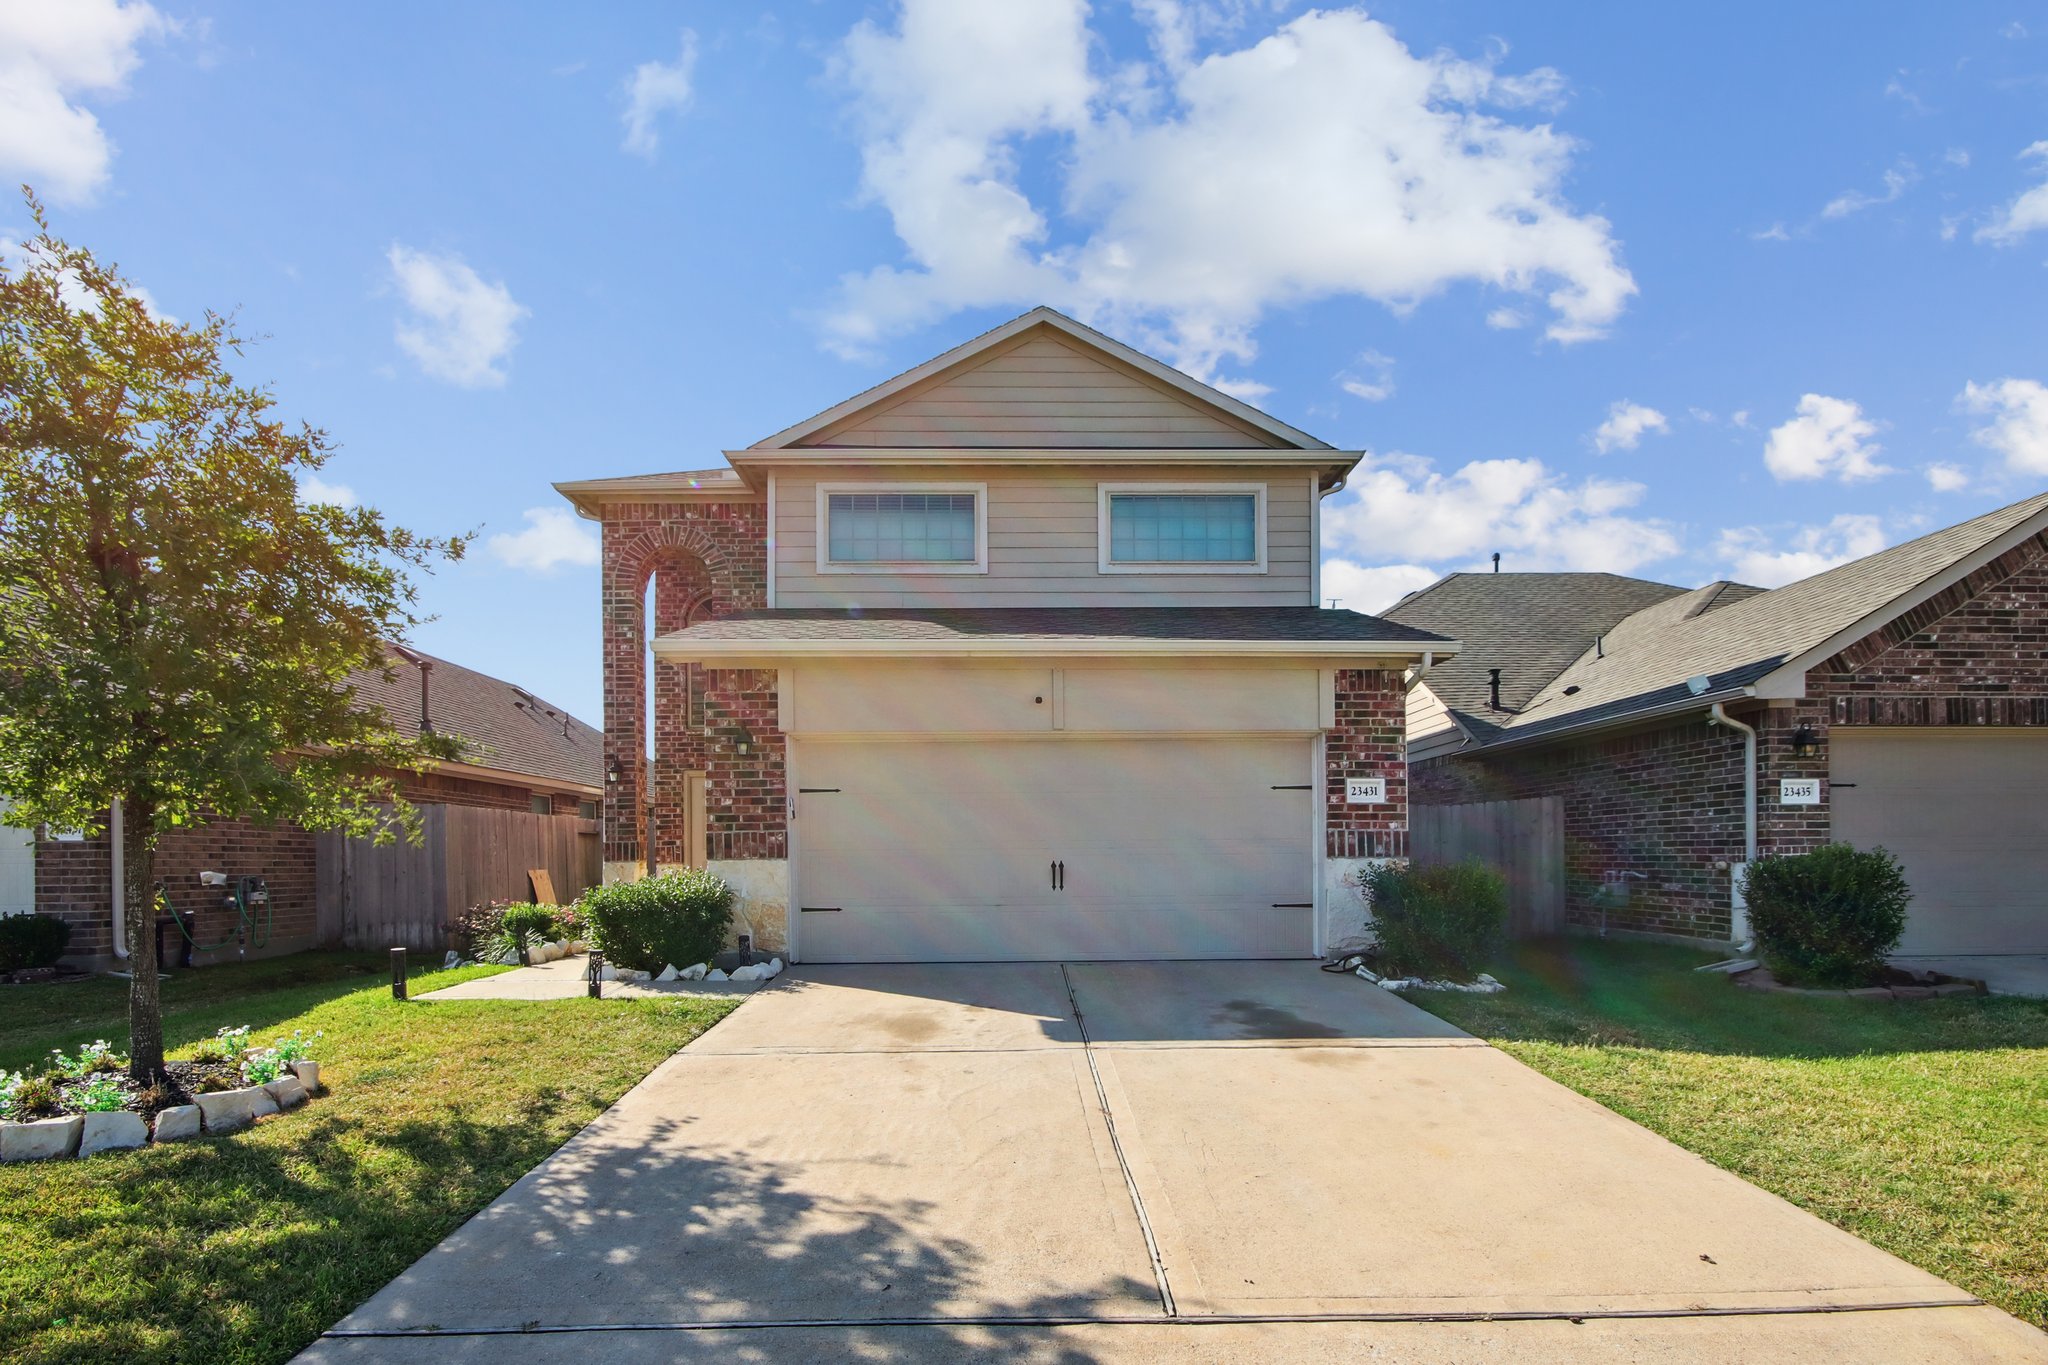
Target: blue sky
[(1674, 291)]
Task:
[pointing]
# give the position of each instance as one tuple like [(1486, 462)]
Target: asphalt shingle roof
[(502, 726), (1309, 625), (1528, 625), (1732, 635)]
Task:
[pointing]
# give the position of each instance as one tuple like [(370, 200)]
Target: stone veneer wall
[(1668, 801)]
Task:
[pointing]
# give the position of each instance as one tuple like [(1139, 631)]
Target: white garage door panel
[(1964, 813), (933, 851)]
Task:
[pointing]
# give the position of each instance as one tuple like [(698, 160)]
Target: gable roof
[(1528, 625), (503, 727), (1761, 643), (1270, 430)]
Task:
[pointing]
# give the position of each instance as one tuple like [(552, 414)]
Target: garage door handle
[(1059, 875)]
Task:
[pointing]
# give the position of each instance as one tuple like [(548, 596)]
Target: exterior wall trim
[(1352, 653)]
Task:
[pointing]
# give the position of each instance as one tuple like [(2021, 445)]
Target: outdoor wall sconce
[(741, 739), (611, 771), (1805, 743)]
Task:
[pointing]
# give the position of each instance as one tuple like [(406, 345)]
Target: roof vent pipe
[(1496, 561), (426, 668), (1599, 646), (1493, 686)]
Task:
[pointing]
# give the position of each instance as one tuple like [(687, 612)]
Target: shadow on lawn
[(1619, 994)]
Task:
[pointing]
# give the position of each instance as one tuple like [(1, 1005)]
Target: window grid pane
[(900, 528), (1183, 528)]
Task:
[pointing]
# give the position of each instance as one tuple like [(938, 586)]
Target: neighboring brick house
[(519, 754), (1900, 700), (1014, 656)]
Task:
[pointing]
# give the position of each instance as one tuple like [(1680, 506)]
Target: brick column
[(1370, 740)]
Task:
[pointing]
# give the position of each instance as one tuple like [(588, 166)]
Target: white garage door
[(1021, 850), (17, 868), (1964, 813)]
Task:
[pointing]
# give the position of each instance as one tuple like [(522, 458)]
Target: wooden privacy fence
[(404, 895), (1521, 840)]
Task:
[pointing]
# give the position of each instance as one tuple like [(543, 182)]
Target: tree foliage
[(177, 628)]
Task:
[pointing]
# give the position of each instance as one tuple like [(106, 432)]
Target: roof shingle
[(502, 726)]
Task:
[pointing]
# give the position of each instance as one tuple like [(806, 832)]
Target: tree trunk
[(138, 891)]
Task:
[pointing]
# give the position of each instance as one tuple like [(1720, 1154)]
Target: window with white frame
[(1195, 528), (892, 528)]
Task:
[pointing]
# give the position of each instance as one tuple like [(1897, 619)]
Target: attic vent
[(1493, 686)]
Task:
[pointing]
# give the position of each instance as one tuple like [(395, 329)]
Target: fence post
[(398, 973), (596, 975)]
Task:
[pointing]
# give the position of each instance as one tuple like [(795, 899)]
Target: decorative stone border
[(218, 1111), (1758, 978)]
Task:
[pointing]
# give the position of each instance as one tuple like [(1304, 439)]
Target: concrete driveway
[(1200, 1161)]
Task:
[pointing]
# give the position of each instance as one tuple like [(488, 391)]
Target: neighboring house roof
[(1724, 641), (1528, 625), (702, 485), (1270, 426), (908, 631), (504, 728)]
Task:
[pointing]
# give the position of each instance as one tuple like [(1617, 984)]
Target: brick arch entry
[(694, 575)]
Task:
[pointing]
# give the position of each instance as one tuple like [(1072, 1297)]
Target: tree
[(177, 628)]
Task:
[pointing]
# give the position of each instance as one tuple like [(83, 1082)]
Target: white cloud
[(1773, 556), (554, 536), (656, 88), (24, 257), (2018, 429), (2028, 213), (1626, 425), (52, 55), (1198, 192), (1774, 233), (461, 327), (1740, 419), (1896, 181), (1372, 378), (1959, 157), (1828, 436), (1505, 319), (1372, 589), (1401, 508), (1947, 478), (314, 490)]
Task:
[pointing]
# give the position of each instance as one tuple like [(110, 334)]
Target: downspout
[(1315, 587), (120, 874), (1718, 715)]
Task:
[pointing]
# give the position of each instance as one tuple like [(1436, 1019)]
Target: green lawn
[(1921, 1126), (244, 1248)]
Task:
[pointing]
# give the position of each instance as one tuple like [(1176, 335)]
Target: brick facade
[(1369, 739), (1667, 801), (703, 559)]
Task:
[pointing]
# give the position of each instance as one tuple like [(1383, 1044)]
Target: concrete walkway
[(566, 978), (1204, 1161)]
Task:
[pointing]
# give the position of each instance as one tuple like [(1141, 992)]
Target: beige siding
[(1042, 543), (1066, 699), (1043, 392), (1430, 727)]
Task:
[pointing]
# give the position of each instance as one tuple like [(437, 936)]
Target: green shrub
[(678, 917), (1439, 921), (521, 927), (1829, 917), (32, 941)]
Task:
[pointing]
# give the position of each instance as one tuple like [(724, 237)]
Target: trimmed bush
[(1440, 922), (677, 918), (32, 941), (522, 926), (1829, 917)]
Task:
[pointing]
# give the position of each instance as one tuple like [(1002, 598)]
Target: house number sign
[(1799, 791), (1365, 791)]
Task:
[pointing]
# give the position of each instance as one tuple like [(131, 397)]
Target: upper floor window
[(899, 528), (1207, 528)]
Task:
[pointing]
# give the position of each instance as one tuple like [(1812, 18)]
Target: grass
[(245, 1248), (1921, 1126)]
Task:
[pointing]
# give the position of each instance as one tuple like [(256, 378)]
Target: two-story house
[(1018, 655)]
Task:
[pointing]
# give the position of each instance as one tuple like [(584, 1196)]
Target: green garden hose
[(245, 921)]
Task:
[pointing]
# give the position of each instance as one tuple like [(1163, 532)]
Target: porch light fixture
[(741, 739), (611, 771), (1805, 743)]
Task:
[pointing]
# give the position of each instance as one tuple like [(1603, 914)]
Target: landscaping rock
[(308, 1074), (40, 1140), (261, 1102), (454, 959), (223, 1111), (113, 1130), (751, 972), (177, 1123), (715, 975), (287, 1091), (774, 967), (694, 972), (669, 973)]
